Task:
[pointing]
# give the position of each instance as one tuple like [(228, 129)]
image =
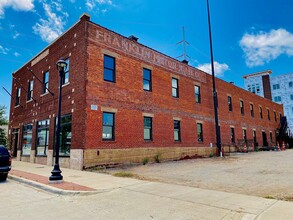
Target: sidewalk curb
[(52, 189)]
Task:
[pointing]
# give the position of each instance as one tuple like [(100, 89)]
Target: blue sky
[(248, 35)]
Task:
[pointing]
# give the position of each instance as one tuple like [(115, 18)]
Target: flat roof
[(266, 72)]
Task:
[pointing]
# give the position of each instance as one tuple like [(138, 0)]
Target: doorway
[(264, 139), (14, 143)]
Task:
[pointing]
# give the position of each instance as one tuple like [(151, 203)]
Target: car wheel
[(3, 177)]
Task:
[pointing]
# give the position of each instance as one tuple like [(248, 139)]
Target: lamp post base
[(56, 173)]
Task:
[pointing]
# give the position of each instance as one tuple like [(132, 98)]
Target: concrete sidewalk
[(206, 204)]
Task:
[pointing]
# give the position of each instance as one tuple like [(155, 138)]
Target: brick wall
[(72, 45), (128, 97), (85, 44)]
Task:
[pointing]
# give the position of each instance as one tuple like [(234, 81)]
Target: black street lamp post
[(56, 172), (215, 96)]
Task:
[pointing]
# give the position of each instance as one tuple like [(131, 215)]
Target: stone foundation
[(94, 157), (76, 159)]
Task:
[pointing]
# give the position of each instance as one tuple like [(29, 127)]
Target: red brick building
[(123, 102)]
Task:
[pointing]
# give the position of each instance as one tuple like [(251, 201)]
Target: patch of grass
[(145, 161), (157, 158), (211, 155), (269, 197), (123, 174)]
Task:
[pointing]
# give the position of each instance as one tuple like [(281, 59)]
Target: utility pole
[(215, 96)]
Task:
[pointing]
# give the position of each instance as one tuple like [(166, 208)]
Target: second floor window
[(147, 79), (275, 116), (230, 103), (109, 68), (251, 110), (17, 98), (260, 112), (269, 117), (30, 90), (66, 73), (175, 92), (45, 82), (241, 107), (197, 94)]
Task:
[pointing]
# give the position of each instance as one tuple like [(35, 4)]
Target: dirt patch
[(265, 174)]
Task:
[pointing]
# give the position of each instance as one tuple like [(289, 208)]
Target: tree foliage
[(3, 121)]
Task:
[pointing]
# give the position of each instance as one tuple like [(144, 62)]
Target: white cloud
[(16, 35), (263, 47), (49, 29), (3, 50), (105, 2), (18, 5), (91, 4), (16, 54), (219, 68)]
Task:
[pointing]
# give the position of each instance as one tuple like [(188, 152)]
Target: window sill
[(16, 106), (109, 81), (148, 141), (41, 155), (177, 142), (29, 100), (44, 94), (109, 140), (66, 84)]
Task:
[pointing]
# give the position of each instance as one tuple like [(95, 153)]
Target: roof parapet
[(266, 72)]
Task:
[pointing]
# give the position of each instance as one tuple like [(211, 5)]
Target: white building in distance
[(276, 88)]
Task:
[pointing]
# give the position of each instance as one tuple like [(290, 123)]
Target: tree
[(3, 121)]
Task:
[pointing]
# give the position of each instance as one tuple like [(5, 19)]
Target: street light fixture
[(215, 96), (56, 172)]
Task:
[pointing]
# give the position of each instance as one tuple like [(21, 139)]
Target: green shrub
[(145, 161), (157, 158), (123, 174)]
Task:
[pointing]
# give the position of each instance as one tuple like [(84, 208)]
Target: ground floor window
[(147, 128), (199, 132), (177, 130), (27, 139), (108, 126), (244, 135), (232, 132), (42, 137), (65, 135)]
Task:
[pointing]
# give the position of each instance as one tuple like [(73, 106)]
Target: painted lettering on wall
[(139, 51), (40, 57)]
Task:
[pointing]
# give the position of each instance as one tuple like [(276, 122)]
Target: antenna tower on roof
[(184, 42)]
